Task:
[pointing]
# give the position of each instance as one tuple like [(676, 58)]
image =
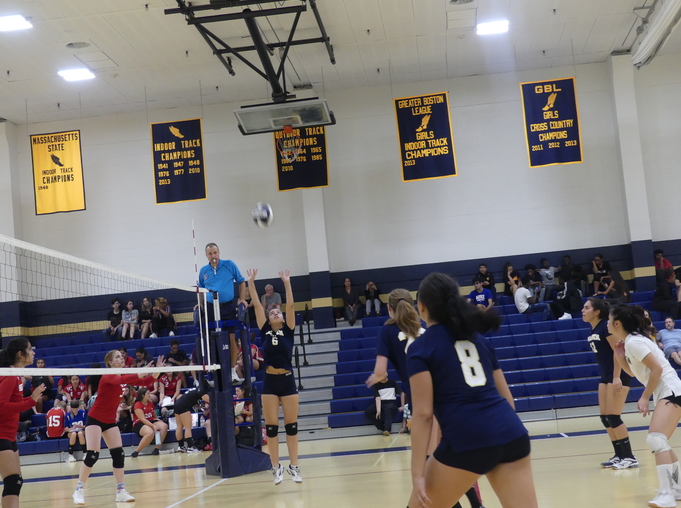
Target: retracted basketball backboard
[(264, 118)]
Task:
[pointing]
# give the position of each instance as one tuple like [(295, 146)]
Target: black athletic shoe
[(155, 451), (134, 455)]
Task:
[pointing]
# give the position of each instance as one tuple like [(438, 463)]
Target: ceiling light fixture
[(493, 27), (76, 74), (14, 22), (658, 24)]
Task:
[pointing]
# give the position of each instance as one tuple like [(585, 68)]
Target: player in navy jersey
[(455, 377), (613, 386), (279, 385)]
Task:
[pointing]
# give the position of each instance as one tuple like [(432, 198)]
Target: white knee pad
[(657, 442)]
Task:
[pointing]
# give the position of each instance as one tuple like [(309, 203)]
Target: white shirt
[(548, 275), (636, 348), (520, 297)]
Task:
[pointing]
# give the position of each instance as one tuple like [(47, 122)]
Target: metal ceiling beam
[(247, 14), (217, 5)]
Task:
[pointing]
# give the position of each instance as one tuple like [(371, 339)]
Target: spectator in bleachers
[(249, 306), (270, 300), (177, 357), (386, 392), (549, 279), (601, 270), (75, 427), (576, 273), (661, 263), (617, 291), (55, 420), (114, 317), (129, 360), (663, 299), (568, 299), (146, 314), (511, 279), (124, 410), (169, 385), (351, 301), (535, 279), (163, 318), (670, 341), (145, 423), (487, 279), (481, 297), (38, 380), (526, 302), (373, 301), (243, 410), (130, 320), (92, 385), (75, 390), (63, 381), (142, 358), (256, 358)]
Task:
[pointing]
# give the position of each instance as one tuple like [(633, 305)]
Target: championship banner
[(551, 122), (425, 135), (179, 172), (57, 172), (301, 158)]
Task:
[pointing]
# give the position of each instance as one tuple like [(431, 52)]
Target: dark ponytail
[(8, 356), (440, 294), (632, 318)]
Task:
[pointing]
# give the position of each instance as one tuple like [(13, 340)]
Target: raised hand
[(37, 393), (285, 275), (252, 273)]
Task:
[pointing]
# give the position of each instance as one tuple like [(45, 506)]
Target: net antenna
[(289, 143)]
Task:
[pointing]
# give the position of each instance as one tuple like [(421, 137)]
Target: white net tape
[(51, 371)]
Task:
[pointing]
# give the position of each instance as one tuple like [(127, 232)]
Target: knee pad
[(291, 429), (605, 421), (13, 485), (117, 457), (657, 442), (272, 430), (91, 458), (615, 420)]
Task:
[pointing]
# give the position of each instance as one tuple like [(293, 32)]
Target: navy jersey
[(471, 412), (392, 343), (599, 344), (277, 347), (483, 297)]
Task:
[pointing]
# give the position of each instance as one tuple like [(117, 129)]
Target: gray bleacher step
[(328, 335), (312, 383), (314, 395), (328, 369), (320, 358), (321, 347), (307, 423), (316, 408)]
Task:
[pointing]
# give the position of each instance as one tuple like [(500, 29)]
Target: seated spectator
[(617, 291), (663, 299), (351, 302), (75, 390), (511, 279), (145, 423), (548, 279), (142, 358), (601, 270), (129, 360), (256, 357), (385, 395), (56, 420), (114, 317), (249, 306), (270, 300), (92, 385), (487, 279), (169, 385), (146, 314), (568, 299), (37, 380), (661, 263), (372, 293), (243, 410), (163, 318), (535, 279), (124, 411), (177, 357), (481, 297), (130, 319), (576, 273), (526, 303), (75, 427), (670, 341)]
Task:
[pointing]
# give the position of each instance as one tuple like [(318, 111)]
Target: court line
[(196, 494)]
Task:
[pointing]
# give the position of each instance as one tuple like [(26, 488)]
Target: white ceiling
[(144, 59)]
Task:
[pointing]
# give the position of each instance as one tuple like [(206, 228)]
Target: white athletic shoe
[(626, 463), (676, 490), (193, 450), (235, 377), (565, 316), (610, 462), (278, 473), (123, 496), (153, 336), (70, 458), (294, 471), (171, 334), (79, 497), (664, 499)]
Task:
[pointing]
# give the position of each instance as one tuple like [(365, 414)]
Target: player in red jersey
[(75, 390), (18, 354), (55, 419), (101, 423)]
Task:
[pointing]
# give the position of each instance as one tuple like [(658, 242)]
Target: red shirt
[(149, 412), (12, 402), (663, 265), (110, 392), (129, 360), (255, 353), (74, 391), (55, 422), (169, 385)]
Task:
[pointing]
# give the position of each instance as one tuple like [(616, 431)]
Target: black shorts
[(483, 460), (138, 426), (280, 385), (103, 426), (6, 444), (626, 380), (674, 399)]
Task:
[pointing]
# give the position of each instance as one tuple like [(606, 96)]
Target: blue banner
[(179, 172), (310, 168), (551, 122), (425, 136)]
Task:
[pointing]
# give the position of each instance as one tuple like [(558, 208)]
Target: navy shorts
[(280, 385), (483, 460), (101, 425), (6, 444)]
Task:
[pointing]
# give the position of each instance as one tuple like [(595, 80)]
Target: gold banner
[(57, 172)]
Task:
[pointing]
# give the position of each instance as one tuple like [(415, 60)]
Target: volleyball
[(262, 215)]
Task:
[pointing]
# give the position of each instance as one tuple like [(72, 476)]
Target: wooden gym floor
[(371, 471)]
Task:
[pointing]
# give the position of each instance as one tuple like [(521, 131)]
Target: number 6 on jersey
[(471, 367)]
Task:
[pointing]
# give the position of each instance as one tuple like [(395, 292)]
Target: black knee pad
[(91, 458), (117, 457), (13, 485), (272, 430), (615, 420), (291, 429), (605, 421)]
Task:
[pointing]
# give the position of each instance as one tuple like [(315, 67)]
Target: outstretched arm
[(257, 306), (290, 304)]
